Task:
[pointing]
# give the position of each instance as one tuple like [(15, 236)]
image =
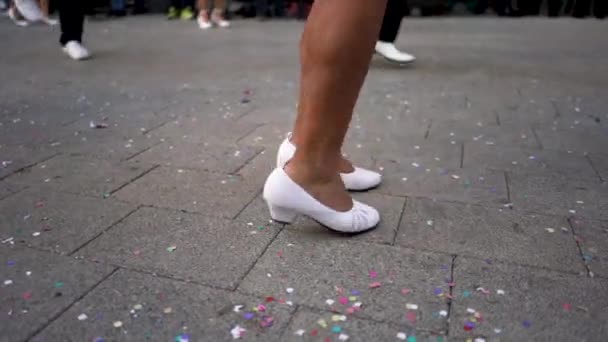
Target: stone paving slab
[(416, 155), (579, 140), (199, 248), (305, 327), (322, 268), (203, 130), (80, 175), (159, 309), (224, 158), (466, 131), (464, 185), (55, 221), (558, 195), (537, 305), (38, 286), (390, 207), (490, 233), (592, 237), (527, 161), (203, 192)]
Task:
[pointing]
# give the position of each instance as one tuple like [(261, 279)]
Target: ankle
[(311, 173)]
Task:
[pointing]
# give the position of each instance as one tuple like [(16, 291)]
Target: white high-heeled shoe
[(358, 180), (286, 199)]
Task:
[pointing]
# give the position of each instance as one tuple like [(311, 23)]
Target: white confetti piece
[(36, 234), (580, 202), (572, 211), (343, 337), (290, 303), (415, 164), (479, 339), (180, 171), (269, 275), (167, 310), (117, 324), (82, 317), (500, 292), (550, 230), (28, 273), (429, 222), (410, 306), (237, 308), (469, 310), (357, 304), (497, 330), (289, 290), (404, 179), (237, 332), (330, 302), (8, 282), (417, 147), (401, 336), (137, 307), (299, 332), (456, 176)]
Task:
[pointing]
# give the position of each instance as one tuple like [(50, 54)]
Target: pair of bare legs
[(218, 8), (335, 51)]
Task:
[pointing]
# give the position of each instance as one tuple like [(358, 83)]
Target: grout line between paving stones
[(449, 302), (248, 132), (399, 221), (55, 317), (103, 231), (258, 193), (580, 249), (134, 179), (29, 166), (249, 110), (171, 277), (141, 152), (602, 180), (238, 169), (461, 155), (538, 142), (497, 117), (428, 129), (153, 128), (508, 188), (283, 331), (240, 281)]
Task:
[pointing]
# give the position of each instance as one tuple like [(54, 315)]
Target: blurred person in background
[(207, 21), (263, 11), (183, 9), (22, 12), (391, 23)]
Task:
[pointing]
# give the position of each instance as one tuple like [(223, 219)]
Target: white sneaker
[(12, 13), (219, 21), (203, 22), (390, 52), (76, 51), (358, 180), (286, 199)]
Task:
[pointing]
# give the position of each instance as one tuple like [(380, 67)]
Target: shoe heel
[(281, 214)]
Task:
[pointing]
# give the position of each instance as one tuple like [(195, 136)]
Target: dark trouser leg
[(261, 8), (391, 23), (554, 7), (600, 7), (71, 16), (177, 3)]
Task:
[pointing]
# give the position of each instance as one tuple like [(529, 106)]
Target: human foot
[(203, 20), (217, 18), (354, 178)]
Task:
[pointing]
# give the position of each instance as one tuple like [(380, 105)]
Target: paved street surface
[(130, 187)]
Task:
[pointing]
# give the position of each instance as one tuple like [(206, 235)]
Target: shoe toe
[(365, 217)]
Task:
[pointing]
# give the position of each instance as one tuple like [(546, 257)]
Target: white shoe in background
[(390, 52), (29, 9), (203, 22), (76, 51), (12, 13), (49, 21)]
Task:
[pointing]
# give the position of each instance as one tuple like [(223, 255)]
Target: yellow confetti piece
[(168, 310), (352, 298), (322, 323), (335, 318)]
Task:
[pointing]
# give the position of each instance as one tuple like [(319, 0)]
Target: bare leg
[(336, 49), (44, 6), (203, 6)]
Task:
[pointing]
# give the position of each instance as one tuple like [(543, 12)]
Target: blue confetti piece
[(466, 294), (355, 292), (248, 315), (527, 324), (11, 262), (438, 291), (182, 338), (336, 329)]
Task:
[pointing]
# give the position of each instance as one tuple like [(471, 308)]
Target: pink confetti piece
[(261, 308), (373, 274), (343, 300), (411, 317), (27, 295), (405, 292), (567, 306), (375, 285)]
